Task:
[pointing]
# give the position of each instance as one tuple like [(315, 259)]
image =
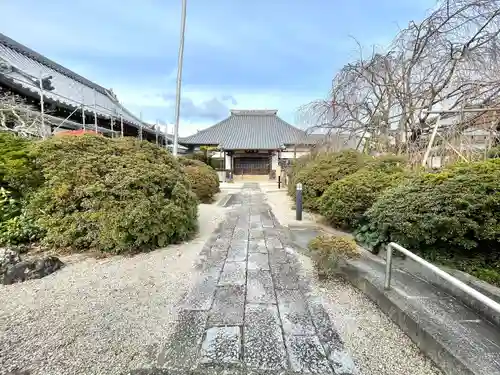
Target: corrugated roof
[(17, 61), (248, 129)]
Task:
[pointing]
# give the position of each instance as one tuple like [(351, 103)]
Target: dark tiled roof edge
[(50, 63)]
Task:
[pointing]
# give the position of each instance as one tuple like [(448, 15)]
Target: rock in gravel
[(8, 258), (14, 270)]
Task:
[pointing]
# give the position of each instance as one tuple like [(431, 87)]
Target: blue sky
[(259, 54)]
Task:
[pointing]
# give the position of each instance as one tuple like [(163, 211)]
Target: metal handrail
[(454, 281)]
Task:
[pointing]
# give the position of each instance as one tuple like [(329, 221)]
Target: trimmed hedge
[(326, 168), (344, 203), (111, 195), (203, 179), (458, 208)]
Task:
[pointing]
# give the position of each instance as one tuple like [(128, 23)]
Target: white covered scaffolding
[(55, 84)]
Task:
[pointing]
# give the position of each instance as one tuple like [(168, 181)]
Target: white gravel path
[(98, 316), (376, 344)]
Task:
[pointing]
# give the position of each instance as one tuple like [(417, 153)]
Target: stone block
[(228, 307), (222, 345)]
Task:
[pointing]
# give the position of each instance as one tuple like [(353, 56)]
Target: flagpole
[(179, 78)]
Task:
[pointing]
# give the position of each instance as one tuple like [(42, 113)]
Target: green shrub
[(203, 179), (344, 203), (328, 252), (16, 227), (297, 165), (457, 210), (18, 178), (17, 173), (317, 175), (111, 195), (494, 152), (197, 155)]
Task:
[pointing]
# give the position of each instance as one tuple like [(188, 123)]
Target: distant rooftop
[(249, 129)]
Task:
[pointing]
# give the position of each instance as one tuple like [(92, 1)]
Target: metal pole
[(179, 78), (42, 109), (298, 202), (388, 267), (95, 111), (112, 126)]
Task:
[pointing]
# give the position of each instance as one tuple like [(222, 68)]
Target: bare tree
[(447, 61)]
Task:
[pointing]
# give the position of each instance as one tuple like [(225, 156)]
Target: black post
[(279, 182), (298, 202)]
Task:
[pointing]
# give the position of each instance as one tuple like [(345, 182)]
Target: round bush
[(111, 195), (203, 179), (457, 209), (344, 203), (328, 252), (317, 175)]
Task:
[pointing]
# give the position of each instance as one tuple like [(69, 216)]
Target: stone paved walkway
[(252, 310)]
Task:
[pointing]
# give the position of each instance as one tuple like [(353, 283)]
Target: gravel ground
[(98, 316), (375, 343)]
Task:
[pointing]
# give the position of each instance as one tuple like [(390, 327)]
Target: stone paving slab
[(221, 345), (306, 355), (250, 311), (202, 295), (213, 262), (182, 349), (258, 246), (260, 287), (285, 276), (294, 313), (264, 346), (278, 256), (274, 243), (238, 251), (228, 308), (240, 234), (233, 273), (258, 261)]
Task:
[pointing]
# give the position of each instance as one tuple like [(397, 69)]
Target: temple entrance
[(255, 165)]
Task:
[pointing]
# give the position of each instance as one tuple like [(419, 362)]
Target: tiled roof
[(248, 129), (17, 61)]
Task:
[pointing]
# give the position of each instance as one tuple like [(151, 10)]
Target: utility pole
[(179, 78)]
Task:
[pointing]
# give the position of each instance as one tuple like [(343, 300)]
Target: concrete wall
[(292, 154)]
